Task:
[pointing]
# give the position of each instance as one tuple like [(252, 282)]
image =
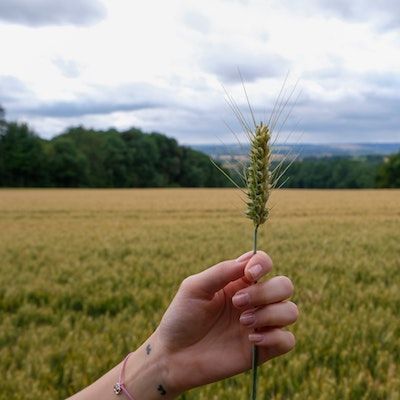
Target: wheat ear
[(259, 175)]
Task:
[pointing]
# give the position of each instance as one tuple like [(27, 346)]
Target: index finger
[(259, 259), (259, 265)]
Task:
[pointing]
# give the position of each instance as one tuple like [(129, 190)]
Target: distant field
[(87, 274)]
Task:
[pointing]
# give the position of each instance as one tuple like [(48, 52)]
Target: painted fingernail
[(245, 256), (240, 299), (255, 271), (247, 319), (255, 337)]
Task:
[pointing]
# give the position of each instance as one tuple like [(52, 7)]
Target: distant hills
[(235, 151), (322, 166)]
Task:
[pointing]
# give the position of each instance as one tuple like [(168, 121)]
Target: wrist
[(148, 372)]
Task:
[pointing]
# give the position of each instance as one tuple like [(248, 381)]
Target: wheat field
[(87, 274)]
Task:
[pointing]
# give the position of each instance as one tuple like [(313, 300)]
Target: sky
[(165, 66)]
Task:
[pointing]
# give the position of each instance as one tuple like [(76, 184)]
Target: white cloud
[(158, 65)]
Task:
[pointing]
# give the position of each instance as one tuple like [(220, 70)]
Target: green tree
[(22, 157), (389, 172), (336, 172), (68, 165), (90, 145), (2, 120), (169, 160), (143, 156), (197, 170), (82, 157), (116, 163)]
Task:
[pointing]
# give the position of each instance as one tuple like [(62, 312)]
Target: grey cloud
[(49, 12), (196, 21), (383, 79), (66, 109), (359, 8), (385, 13), (11, 90), (69, 68), (370, 116), (189, 127), (224, 61), (101, 100)]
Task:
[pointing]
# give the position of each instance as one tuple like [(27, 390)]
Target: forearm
[(147, 373)]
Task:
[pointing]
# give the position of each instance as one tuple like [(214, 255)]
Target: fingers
[(272, 343), (272, 315), (259, 265), (259, 259), (266, 311), (209, 281), (215, 278), (277, 289)]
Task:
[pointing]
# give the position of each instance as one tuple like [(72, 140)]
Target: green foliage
[(68, 165), (22, 158), (2, 120), (389, 173), (83, 157), (334, 173)]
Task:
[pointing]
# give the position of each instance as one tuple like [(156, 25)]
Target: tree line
[(345, 172), (82, 157)]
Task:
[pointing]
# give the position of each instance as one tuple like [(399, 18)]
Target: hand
[(209, 328), (207, 332)]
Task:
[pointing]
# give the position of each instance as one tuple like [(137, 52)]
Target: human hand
[(206, 334), (218, 314)]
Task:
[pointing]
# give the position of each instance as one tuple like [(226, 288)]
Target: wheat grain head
[(258, 175)]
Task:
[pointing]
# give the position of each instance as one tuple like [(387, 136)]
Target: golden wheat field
[(87, 274)]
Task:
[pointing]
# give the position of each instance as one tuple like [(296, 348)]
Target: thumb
[(215, 278)]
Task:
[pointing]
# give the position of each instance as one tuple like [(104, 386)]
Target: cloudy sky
[(160, 65)]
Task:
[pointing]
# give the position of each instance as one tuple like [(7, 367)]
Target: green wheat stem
[(254, 353), (259, 185), (254, 350), (255, 239)]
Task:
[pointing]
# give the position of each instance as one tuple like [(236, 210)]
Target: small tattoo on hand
[(161, 390), (148, 349)]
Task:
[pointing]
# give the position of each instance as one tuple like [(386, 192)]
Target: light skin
[(208, 331)]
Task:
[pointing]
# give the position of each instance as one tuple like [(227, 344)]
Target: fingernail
[(241, 299), (245, 256), (247, 319), (255, 271), (255, 337)]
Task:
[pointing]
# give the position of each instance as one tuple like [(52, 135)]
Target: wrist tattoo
[(148, 349), (161, 390)]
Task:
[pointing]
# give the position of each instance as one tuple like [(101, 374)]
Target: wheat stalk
[(259, 185), (258, 176)]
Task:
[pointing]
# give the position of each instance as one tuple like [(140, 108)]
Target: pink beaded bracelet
[(120, 387)]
